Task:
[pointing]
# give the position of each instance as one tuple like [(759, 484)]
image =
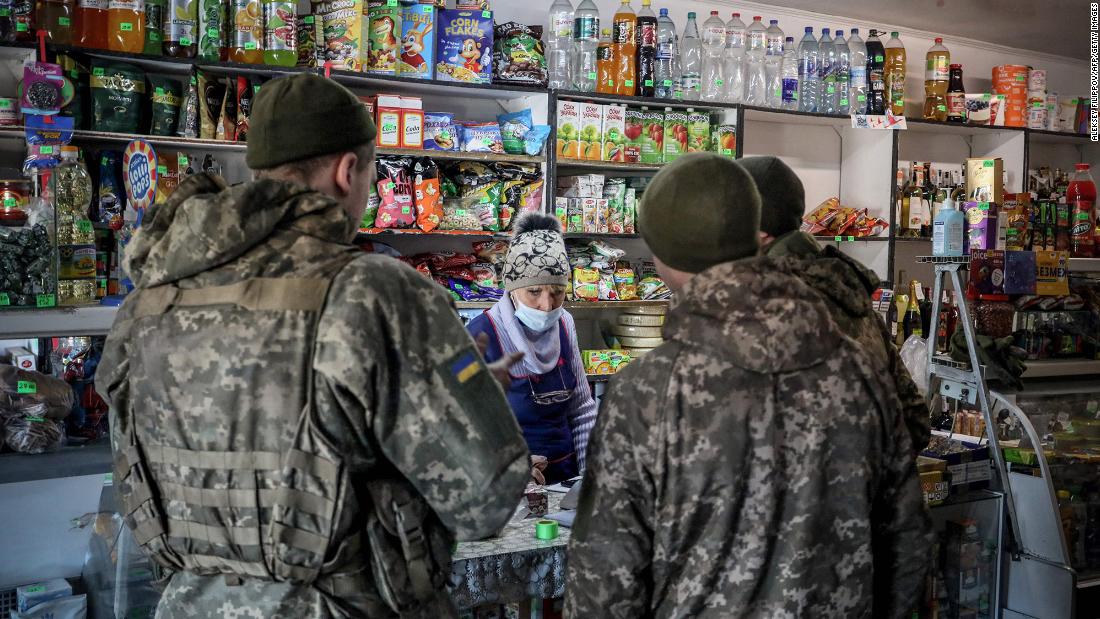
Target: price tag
[(84, 225), (678, 96), (391, 2), (405, 210), (36, 589), (649, 83), (843, 102), (1021, 78), (63, 21), (487, 14), (861, 98), (162, 169), (74, 74), (988, 163), (154, 35), (182, 161), (667, 83), (878, 58), (942, 108), (26, 386), (4, 299), (794, 96), (45, 300), (97, 71), (160, 91), (727, 152), (185, 42), (460, 212), (35, 419), (719, 82), (5, 12), (391, 185), (126, 27), (21, 27), (213, 32), (6, 104), (830, 89), (629, 83), (592, 75), (46, 150), (9, 202), (308, 19), (251, 45)]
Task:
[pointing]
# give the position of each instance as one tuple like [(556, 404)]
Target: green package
[(676, 135), (118, 96), (76, 75), (167, 96)]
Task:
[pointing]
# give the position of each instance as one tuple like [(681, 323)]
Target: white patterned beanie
[(537, 254)]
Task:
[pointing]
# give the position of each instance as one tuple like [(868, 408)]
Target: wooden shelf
[(57, 322), (577, 305), (651, 102), (851, 239), (1055, 368), (1084, 265), (450, 155), (1057, 137), (83, 135), (577, 164)]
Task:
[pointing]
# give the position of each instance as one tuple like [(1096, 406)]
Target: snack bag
[(624, 284), (607, 289), (586, 284), (188, 125), (482, 138), (244, 107), (493, 252), (227, 124), (429, 208), (384, 38), (464, 45), (167, 97), (118, 96), (513, 129), (417, 58), (819, 219), (396, 208), (310, 37), (211, 99), (457, 217), (518, 55), (440, 131), (111, 196)]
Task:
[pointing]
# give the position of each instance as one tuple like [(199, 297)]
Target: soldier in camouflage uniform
[(299, 429), (755, 464), (846, 284)]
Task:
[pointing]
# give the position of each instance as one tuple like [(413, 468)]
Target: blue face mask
[(536, 320)]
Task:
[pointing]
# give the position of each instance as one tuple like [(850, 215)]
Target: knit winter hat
[(783, 200), (700, 211), (537, 254)]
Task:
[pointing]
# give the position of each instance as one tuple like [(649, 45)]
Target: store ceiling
[(1051, 26)]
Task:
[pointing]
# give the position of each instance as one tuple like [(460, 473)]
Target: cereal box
[(569, 130), (417, 41), (653, 136), (342, 27), (383, 36), (614, 133), (464, 45), (591, 134)]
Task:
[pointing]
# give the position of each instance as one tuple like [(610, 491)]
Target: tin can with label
[(9, 112)]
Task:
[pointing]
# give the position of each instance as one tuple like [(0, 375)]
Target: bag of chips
[(189, 110), (118, 96), (429, 207), (167, 98), (518, 54), (396, 204), (624, 284), (471, 174), (456, 216), (482, 138), (586, 284), (492, 252), (484, 275), (516, 171), (77, 106)]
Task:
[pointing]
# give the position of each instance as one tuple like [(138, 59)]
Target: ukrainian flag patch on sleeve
[(466, 367)]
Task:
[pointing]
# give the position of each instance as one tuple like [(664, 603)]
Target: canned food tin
[(9, 113)]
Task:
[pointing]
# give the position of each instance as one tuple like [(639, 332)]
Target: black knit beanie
[(782, 198)]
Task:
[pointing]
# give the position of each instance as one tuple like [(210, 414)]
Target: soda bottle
[(625, 50), (691, 49), (71, 187), (714, 47), (646, 32), (246, 29), (180, 37), (668, 50), (826, 74), (756, 81), (280, 32), (773, 64), (586, 38), (876, 80), (956, 96), (56, 18), (790, 76), (857, 60), (605, 64), (1081, 196), (807, 72), (155, 11), (735, 59), (126, 26), (895, 74), (91, 24), (936, 77), (559, 43), (212, 29)]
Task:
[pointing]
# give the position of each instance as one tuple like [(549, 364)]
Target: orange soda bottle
[(605, 64), (126, 26), (246, 31), (625, 49)]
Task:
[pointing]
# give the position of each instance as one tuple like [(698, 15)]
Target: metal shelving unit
[(56, 322), (91, 459)]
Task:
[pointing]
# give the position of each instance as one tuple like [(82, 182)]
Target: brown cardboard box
[(985, 180)]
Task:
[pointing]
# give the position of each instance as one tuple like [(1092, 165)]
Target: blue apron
[(545, 425)]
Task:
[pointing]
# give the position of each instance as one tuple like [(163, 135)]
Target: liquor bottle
[(956, 96), (912, 323)]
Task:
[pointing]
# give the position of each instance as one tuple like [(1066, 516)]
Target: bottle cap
[(894, 34), (691, 15), (714, 13), (789, 40), (1076, 166), (756, 18), (939, 40), (809, 28), (839, 31), (663, 12), (737, 15), (855, 30), (956, 66), (872, 32), (824, 31), (774, 22)]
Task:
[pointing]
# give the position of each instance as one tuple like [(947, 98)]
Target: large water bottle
[(586, 38), (773, 64), (857, 59), (807, 72), (756, 81), (559, 45), (843, 72), (789, 76), (735, 59), (668, 49), (826, 74), (691, 50), (714, 47)]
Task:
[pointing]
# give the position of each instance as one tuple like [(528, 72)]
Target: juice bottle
[(126, 26), (605, 64), (155, 14), (895, 74), (956, 96), (212, 28), (56, 18), (91, 24), (625, 49), (936, 77), (280, 38), (1081, 196), (246, 31), (180, 23)]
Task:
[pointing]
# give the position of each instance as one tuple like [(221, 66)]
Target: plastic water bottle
[(668, 49), (714, 46), (773, 64), (826, 74), (559, 45), (691, 49), (735, 59), (857, 59), (756, 81), (807, 72), (843, 72), (586, 38), (789, 79)]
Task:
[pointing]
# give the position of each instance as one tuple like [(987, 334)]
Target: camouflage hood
[(843, 281), (755, 313), (205, 225)]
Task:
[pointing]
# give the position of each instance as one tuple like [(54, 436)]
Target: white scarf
[(541, 351)]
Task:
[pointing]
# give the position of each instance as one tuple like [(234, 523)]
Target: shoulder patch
[(465, 367)]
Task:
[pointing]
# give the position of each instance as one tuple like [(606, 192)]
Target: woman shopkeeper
[(549, 394)]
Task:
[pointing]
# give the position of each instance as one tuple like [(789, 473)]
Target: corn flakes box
[(464, 45), (417, 41)]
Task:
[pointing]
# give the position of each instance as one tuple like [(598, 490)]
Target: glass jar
[(13, 199), (993, 314)]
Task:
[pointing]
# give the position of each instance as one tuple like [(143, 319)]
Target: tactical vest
[(271, 513)]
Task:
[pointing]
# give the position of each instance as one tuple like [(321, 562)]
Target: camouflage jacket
[(754, 465), (847, 287), (398, 391)]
